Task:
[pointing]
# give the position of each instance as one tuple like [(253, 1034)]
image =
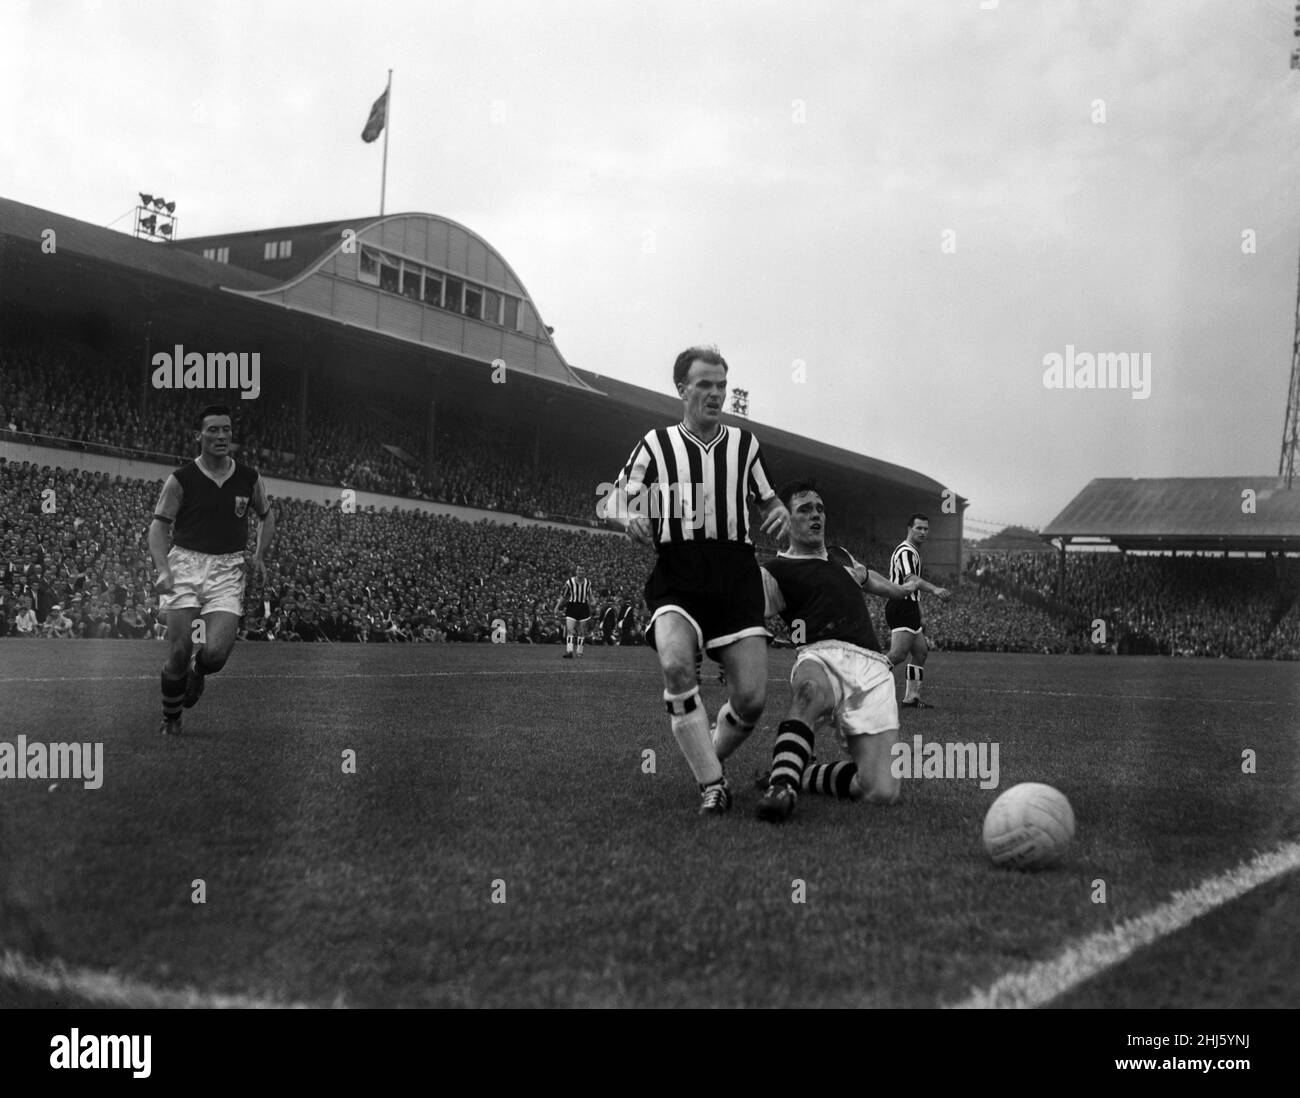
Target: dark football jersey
[(213, 518), (825, 597)]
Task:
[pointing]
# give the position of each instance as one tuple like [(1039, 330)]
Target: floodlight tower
[(740, 397), (155, 218), (1291, 426)]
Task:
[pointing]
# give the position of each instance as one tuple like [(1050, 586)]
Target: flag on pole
[(378, 116)]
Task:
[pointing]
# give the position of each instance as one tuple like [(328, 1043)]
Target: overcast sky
[(917, 200)]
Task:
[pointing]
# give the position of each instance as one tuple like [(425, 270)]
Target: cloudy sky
[(909, 205)]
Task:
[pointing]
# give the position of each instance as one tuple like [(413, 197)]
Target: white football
[(1028, 827)]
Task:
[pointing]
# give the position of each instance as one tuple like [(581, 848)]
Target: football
[(1028, 827)]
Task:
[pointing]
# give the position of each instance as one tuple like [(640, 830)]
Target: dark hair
[(212, 410), (682, 366), (916, 515), (792, 488)]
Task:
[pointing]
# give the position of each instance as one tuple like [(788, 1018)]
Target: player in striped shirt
[(906, 633), (686, 491), (575, 600)]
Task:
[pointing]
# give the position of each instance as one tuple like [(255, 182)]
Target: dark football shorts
[(578, 611), (715, 585), (903, 614)]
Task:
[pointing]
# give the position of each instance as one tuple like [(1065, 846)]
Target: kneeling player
[(839, 677)]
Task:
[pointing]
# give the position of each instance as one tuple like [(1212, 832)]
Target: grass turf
[(485, 769)]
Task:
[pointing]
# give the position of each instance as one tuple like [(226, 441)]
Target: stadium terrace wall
[(279, 489)]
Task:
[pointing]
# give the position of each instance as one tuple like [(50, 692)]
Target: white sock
[(731, 733), (691, 730)]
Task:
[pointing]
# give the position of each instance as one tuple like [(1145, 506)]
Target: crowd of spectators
[(1242, 608), (65, 395), (75, 562), (74, 545)]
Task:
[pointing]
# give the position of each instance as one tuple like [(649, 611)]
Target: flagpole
[(388, 114)]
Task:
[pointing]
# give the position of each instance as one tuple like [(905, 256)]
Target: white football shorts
[(202, 581), (863, 683)]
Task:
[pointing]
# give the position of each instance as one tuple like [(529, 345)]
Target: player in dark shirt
[(206, 503), (840, 676)]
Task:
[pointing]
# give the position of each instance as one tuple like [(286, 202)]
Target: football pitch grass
[(503, 841)]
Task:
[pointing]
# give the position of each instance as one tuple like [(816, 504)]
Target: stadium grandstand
[(1186, 566), (400, 357)]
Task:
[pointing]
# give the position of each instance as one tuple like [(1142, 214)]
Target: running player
[(906, 633), (206, 503), (685, 491), (575, 600), (839, 675)]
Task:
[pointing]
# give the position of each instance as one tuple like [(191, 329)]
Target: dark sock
[(173, 695), (833, 779), (791, 752)]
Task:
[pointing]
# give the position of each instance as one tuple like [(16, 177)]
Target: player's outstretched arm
[(876, 584), (931, 589)]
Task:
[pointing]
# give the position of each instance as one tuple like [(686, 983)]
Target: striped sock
[(691, 730), (568, 642), (173, 695), (831, 779), (914, 676), (791, 752), (731, 732), (581, 638)]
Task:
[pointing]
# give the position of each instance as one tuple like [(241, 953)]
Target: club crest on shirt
[(241, 506)]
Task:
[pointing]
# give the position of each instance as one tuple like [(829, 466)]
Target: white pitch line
[(1081, 960), (1186, 698), (327, 674), (316, 675), (111, 990)]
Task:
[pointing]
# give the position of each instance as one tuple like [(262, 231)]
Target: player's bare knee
[(880, 792), (678, 677), (748, 705), (178, 655), (805, 701)]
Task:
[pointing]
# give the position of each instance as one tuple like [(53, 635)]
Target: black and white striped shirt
[(576, 590), (905, 562), (692, 490)]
